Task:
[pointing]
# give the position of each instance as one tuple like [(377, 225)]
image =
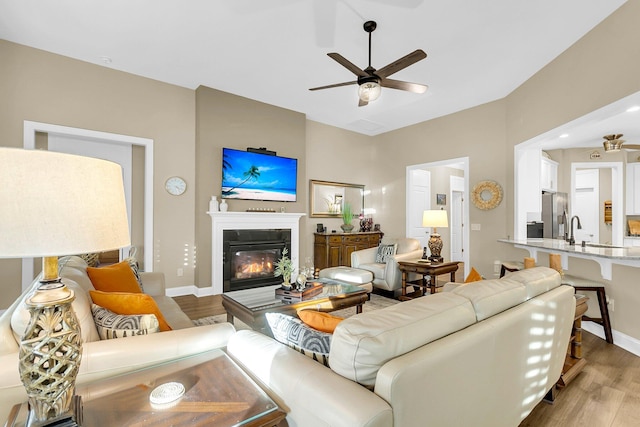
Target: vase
[(223, 206), (213, 204), (347, 228)]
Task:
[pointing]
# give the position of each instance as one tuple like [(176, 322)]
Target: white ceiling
[(273, 51)]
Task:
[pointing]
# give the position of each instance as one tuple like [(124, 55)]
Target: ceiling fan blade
[(401, 63), (347, 64), (362, 103), (397, 84), (335, 85), (631, 146)]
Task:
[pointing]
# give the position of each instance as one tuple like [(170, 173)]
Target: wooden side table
[(428, 273)]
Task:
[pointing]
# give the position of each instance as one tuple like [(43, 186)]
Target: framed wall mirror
[(327, 198)]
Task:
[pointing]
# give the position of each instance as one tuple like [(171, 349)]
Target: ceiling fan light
[(369, 91), (612, 143), (612, 146)]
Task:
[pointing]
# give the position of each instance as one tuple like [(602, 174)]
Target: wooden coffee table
[(428, 273), (217, 393), (250, 305)]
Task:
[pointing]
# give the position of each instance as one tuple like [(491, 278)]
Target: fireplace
[(249, 257), (224, 221)]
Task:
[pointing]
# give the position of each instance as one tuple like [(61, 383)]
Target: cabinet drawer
[(335, 239), (355, 239)]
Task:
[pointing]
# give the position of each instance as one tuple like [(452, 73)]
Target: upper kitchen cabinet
[(548, 174), (633, 189)]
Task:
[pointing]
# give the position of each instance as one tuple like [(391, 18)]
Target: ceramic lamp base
[(50, 353)]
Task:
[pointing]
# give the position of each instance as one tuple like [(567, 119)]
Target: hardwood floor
[(605, 394), (197, 308)]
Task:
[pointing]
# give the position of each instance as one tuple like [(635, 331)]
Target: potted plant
[(284, 268), (347, 217)]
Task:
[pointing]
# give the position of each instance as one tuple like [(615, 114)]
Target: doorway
[(446, 177), (30, 129), (585, 200)]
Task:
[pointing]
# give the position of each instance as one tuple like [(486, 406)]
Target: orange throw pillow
[(129, 303), (323, 322), (473, 276), (114, 278)]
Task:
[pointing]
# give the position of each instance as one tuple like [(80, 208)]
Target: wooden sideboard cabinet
[(334, 249)]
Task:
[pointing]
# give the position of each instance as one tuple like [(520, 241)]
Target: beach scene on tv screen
[(254, 176)]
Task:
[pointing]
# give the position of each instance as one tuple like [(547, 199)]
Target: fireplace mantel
[(221, 221)]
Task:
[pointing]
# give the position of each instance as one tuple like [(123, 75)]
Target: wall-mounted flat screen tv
[(256, 176)]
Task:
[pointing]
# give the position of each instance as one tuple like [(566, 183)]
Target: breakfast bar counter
[(605, 255)]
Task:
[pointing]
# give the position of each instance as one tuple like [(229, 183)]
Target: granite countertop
[(593, 249)]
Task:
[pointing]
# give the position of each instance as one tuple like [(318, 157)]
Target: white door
[(418, 201), (456, 225), (586, 205)]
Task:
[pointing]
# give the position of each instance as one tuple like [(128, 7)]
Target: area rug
[(376, 303)]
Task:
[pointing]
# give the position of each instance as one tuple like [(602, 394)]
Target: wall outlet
[(180, 272), (476, 227)]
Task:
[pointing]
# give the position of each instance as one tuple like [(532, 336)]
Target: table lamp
[(435, 218), (54, 204)]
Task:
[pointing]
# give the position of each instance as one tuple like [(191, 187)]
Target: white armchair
[(387, 275)]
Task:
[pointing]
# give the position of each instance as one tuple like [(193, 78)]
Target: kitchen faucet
[(572, 241), (565, 225)]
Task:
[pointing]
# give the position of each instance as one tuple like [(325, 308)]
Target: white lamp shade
[(435, 218), (54, 204)]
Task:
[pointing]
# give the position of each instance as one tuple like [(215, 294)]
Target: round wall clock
[(486, 195), (175, 186)]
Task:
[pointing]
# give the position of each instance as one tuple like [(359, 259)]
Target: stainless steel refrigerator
[(555, 208)]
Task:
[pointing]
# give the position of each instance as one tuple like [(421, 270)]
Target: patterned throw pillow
[(111, 325), (293, 332), (385, 252), (133, 263)]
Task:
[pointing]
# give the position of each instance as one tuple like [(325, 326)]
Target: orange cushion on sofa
[(114, 278), (473, 276), (129, 303), (320, 321)]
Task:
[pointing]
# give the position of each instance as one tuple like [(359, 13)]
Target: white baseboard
[(623, 341), (189, 290)]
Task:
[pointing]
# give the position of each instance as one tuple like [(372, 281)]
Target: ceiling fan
[(371, 80), (613, 143)]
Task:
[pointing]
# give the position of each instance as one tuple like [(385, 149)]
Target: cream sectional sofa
[(482, 354), (104, 358)]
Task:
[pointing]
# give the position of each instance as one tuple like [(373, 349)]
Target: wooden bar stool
[(510, 266), (580, 284)]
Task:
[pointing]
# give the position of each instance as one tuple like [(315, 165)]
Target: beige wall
[(477, 133), (336, 155), (600, 68), (225, 120), (43, 87), (578, 82)]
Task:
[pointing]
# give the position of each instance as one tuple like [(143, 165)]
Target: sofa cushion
[(81, 306), (114, 278), (490, 297), (129, 303), (295, 334), (385, 252), (111, 325), (320, 321), (363, 343), (536, 280)]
